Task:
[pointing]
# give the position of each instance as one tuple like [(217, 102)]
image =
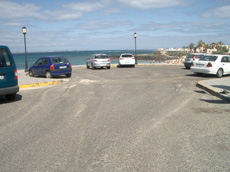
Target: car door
[(7, 69), (225, 62), (37, 67)]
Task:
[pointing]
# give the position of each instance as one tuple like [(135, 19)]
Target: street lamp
[(135, 37), (26, 62)]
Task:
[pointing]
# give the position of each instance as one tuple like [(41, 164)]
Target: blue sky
[(56, 25)]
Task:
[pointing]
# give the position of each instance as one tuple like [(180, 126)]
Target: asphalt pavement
[(219, 87), (25, 81)]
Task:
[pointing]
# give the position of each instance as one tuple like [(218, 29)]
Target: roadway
[(123, 119)]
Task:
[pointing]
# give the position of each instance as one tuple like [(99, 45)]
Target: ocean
[(75, 57)]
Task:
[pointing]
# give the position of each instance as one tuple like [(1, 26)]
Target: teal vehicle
[(8, 74)]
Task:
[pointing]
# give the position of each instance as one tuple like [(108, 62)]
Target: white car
[(218, 65), (126, 60)]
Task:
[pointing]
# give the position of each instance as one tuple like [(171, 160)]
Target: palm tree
[(191, 46), (200, 45)]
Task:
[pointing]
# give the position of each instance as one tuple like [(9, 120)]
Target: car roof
[(3, 46), (100, 54), (126, 54)]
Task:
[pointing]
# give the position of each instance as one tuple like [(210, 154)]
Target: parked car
[(126, 60), (51, 66), (8, 74), (98, 60), (191, 58), (218, 65)]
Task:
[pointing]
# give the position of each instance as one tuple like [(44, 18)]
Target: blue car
[(8, 74), (51, 66)]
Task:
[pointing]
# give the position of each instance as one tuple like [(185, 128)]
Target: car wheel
[(68, 75), (93, 67), (87, 66), (219, 73), (11, 96), (108, 67), (48, 74), (31, 73)]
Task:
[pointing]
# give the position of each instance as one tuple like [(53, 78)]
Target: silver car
[(98, 61), (191, 58)]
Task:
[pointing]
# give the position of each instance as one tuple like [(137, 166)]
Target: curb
[(40, 84), (212, 91)]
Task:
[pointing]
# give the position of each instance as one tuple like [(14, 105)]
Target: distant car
[(218, 65), (98, 61), (191, 58), (8, 74), (126, 60), (51, 66)]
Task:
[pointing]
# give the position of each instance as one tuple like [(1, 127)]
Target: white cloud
[(148, 4), (102, 25), (59, 15), (13, 10), (220, 12), (84, 6), (10, 10)]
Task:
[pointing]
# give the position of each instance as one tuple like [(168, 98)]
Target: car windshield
[(58, 60), (101, 57), (190, 56), (127, 55), (208, 58)]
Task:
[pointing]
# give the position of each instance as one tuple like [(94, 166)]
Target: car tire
[(219, 73), (87, 66), (68, 75), (48, 74), (11, 96), (31, 73), (108, 67)]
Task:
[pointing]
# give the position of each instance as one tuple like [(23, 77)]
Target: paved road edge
[(212, 91), (40, 84)]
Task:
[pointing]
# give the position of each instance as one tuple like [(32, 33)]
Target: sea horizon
[(76, 57)]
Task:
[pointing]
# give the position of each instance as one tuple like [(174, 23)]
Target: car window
[(127, 55), (190, 56), (39, 62), (208, 58), (5, 60), (45, 61), (199, 56), (101, 57), (225, 59), (58, 60)]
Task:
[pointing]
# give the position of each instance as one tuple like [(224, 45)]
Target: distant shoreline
[(152, 57)]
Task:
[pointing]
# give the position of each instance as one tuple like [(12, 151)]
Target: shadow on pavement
[(3, 100), (215, 101)]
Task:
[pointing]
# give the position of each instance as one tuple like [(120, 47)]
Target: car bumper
[(9, 90), (127, 63), (187, 64), (101, 64), (203, 70), (60, 72)]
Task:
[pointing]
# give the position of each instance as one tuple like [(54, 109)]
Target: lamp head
[(135, 35), (24, 30)]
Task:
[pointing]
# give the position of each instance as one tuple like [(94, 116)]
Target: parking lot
[(148, 118)]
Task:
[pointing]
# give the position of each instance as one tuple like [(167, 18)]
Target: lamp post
[(135, 37), (26, 62)]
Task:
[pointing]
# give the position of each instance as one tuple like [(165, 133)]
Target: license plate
[(62, 67), (1, 77), (200, 65)]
